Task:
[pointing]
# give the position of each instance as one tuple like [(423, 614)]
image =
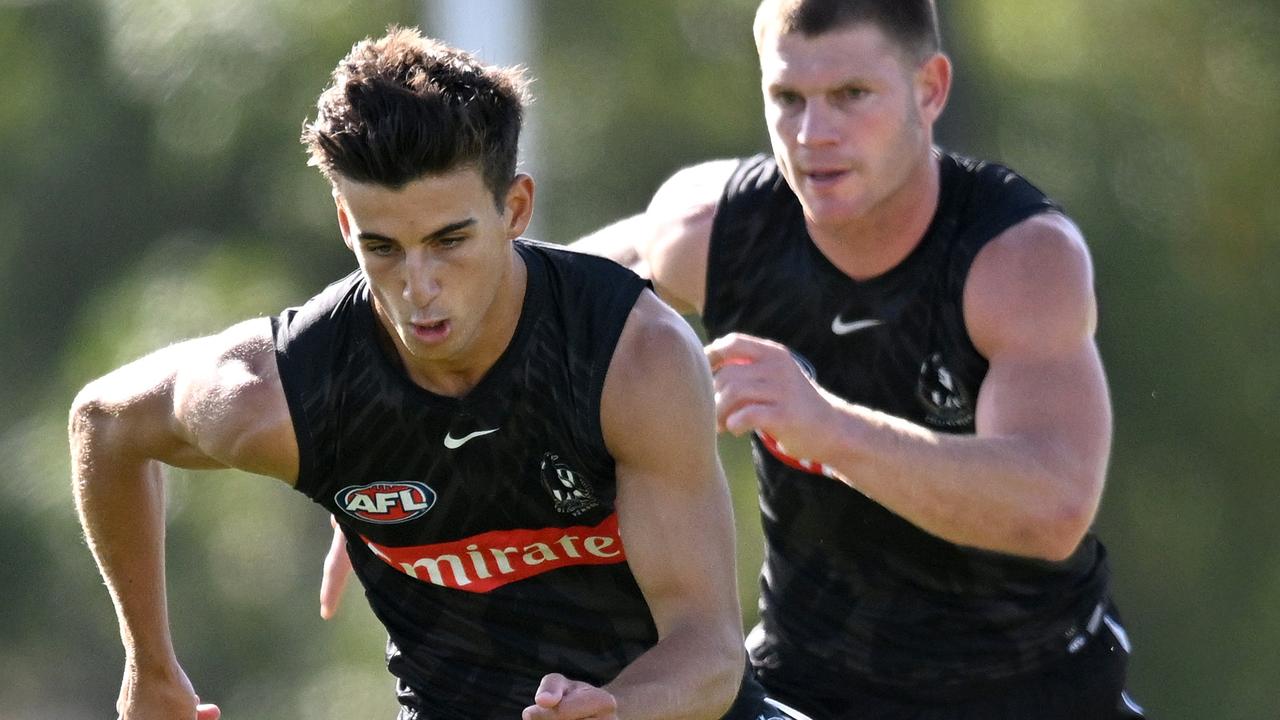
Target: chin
[(826, 214), (834, 204), (421, 350)]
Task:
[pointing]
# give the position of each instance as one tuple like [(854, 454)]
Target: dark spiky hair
[(403, 106)]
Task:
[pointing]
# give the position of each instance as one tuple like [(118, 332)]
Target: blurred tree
[(1148, 120), (153, 189)]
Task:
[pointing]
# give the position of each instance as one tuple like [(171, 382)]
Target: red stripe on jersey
[(490, 560), (805, 464)]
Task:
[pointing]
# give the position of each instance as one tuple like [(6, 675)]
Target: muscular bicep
[(1061, 402), (210, 402), (673, 503), (1030, 309)]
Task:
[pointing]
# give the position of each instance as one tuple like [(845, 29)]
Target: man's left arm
[(1029, 481), (676, 522)]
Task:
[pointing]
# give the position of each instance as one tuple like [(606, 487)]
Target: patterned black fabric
[(496, 560), (850, 592), (1086, 685)]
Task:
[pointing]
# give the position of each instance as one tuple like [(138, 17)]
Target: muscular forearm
[(120, 499), (1018, 495), (687, 675), (1027, 483)]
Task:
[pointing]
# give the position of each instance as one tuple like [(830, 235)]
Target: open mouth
[(431, 331)]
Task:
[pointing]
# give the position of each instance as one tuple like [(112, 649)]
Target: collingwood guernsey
[(483, 528), (851, 592)]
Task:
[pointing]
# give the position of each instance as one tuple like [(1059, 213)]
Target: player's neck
[(877, 240)]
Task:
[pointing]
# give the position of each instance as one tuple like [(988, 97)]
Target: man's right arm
[(205, 403), (669, 241)]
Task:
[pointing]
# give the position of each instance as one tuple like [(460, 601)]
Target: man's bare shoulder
[(657, 340), (1033, 283), (658, 381), (693, 188), (208, 402), (682, 213), (229, 401), (223, 365)]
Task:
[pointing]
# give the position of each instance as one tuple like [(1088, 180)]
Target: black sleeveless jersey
[(850, 591), (483, 528)]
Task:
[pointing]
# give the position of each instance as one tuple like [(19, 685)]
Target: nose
[(817, 126), (421, 281)]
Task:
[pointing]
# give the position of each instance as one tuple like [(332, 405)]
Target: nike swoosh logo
[(840, 327), (454, 443)]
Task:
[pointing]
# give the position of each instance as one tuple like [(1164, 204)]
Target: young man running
[(538, 531)]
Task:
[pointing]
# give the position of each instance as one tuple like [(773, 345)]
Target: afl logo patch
[(386, 503)]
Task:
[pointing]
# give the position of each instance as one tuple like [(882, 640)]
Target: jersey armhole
[(606, 349), (306, 480), (729, 211)]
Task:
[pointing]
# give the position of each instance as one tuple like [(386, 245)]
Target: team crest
[(946, 400), (570, 491)]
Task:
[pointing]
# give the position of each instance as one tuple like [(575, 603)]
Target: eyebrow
[(844, 82), (446, 230)]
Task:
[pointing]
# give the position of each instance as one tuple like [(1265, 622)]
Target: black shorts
[(754, 703), (1085, 685)]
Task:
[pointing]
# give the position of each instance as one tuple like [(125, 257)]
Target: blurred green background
[(152, 188)]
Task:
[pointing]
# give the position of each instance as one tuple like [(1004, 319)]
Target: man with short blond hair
[(907, 335)]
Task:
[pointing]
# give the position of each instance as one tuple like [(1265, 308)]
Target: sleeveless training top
[(483, 528), (851, 592)]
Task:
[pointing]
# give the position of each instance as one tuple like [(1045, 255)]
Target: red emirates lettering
[(490, 560)]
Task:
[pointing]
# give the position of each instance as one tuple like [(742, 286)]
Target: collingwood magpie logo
[(570, 491), (945, 399)]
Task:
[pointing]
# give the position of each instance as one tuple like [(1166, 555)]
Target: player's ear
[(344, 221), (518, 205), (932, 86)]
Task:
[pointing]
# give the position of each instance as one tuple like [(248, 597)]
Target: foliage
[(156, 143)]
